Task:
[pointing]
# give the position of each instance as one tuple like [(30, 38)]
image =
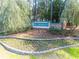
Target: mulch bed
[(38, 33)]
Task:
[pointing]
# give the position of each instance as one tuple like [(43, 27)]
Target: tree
[(58, 6), (71, 12), (14, 15), (49, 9)]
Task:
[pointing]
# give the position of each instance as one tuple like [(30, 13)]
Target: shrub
[(14, 16)]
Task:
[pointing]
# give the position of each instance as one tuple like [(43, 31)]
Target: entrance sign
[(57, 26), (47, 25), (41, 24)]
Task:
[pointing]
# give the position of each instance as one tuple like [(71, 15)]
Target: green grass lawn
[(67, 53), (37, 45)]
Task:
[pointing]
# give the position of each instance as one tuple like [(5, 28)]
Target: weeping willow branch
[(14, 16)]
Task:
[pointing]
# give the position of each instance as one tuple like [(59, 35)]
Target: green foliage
[(58, 6), (14, 16), (44, 9), (71, 12), (32, 57), (56, 9)]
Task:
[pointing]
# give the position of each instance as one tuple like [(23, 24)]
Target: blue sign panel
[(41, 24)]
